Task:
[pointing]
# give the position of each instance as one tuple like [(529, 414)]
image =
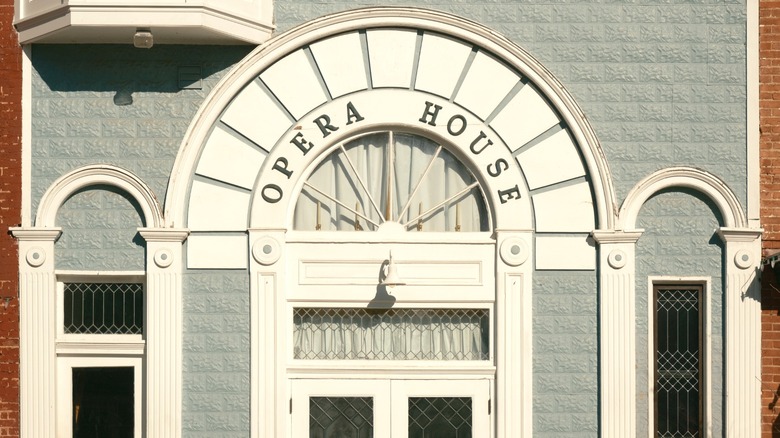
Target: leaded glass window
[(337, 417), (103, 308), (440, 417), (678, 361), (391, 334), (391, 180)]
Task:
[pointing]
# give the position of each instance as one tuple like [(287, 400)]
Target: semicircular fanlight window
[(391, 181)]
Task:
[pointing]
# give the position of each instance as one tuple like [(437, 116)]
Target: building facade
[(295, 219)]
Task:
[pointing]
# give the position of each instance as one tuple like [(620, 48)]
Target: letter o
[(462, 125), (277, 192)]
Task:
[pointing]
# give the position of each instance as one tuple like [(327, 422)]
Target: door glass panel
[(431, 417), (394, 334), (103, 402), (341, 417)]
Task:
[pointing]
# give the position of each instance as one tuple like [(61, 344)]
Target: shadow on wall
[(770, 351), (123, 68)]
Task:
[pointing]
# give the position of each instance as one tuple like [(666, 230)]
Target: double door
[(383, 408)]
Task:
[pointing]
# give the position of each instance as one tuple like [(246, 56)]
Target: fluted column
[(742, 304), (163, 331), (37, 331), (514, 339), (266, 268), (617, 328)]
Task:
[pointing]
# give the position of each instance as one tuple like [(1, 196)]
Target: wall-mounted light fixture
[(143, 38), (6, 301), (391, 277)]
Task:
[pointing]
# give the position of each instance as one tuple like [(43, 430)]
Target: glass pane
[(104, 308), (341, 417), (394, 334), (678, 370), (439, 417), (103, 402), (391, 177)]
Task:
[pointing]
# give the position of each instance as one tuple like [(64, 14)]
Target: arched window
[(391, 180)]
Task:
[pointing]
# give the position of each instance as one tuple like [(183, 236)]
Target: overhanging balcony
[(170, 21)]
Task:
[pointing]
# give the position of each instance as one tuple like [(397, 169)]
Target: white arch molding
[(102, 174), (37, 286), (291, 101), (742, 335)]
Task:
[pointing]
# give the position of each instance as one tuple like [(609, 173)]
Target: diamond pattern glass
[(394, 334), (678, 367), (341, 417), (434, 417), (103, 308)]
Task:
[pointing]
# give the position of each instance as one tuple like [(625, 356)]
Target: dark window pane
[(104, 308), (341, 417), (678, 372), (440, 417), (103, 402)]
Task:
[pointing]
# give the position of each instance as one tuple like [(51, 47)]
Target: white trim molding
[(742, 304), (163, 330), (707, 302), (682, 177), (284, 52), (37, 331), (102, 174), (617, 310)]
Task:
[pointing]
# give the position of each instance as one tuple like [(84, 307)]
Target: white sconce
[(391, 277)]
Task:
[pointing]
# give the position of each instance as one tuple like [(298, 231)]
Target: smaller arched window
[(391, 181)]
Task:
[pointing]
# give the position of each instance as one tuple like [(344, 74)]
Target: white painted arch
[(101, 174), (294, 47), (683, 177)]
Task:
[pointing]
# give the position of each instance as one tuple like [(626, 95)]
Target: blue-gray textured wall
[(663, 84)]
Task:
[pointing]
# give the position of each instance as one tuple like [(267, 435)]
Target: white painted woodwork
[(513, 407), (340, 60), (617, 311), (564, 209), (216, 251), (295, 82), (171, 21), (525, 117), (65, 366), (229, 159), (564, 252), (391, 56), (742, 303), (163, 331), (441, 62), (37, 331), (553, 160), (485, 85), (431, 271), (217, 207), (257, 116)]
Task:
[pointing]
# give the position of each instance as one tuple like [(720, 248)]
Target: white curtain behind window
[(357, 177), (394, 334)]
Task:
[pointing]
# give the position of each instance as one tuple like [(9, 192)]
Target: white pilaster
[(742, 302), (267, 355), (514, 341), (37, 331), (163, 331), (617, 329)]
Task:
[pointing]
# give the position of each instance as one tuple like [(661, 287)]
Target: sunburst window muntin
[(429, 188)]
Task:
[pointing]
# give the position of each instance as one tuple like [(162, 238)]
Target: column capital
[(35, 234), (164, 234), (728, 234), (616, 236)]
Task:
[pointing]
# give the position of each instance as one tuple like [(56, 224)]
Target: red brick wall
[(10, 213), (769, 100)]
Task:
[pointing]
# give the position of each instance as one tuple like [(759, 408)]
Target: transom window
[(391, 180)]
